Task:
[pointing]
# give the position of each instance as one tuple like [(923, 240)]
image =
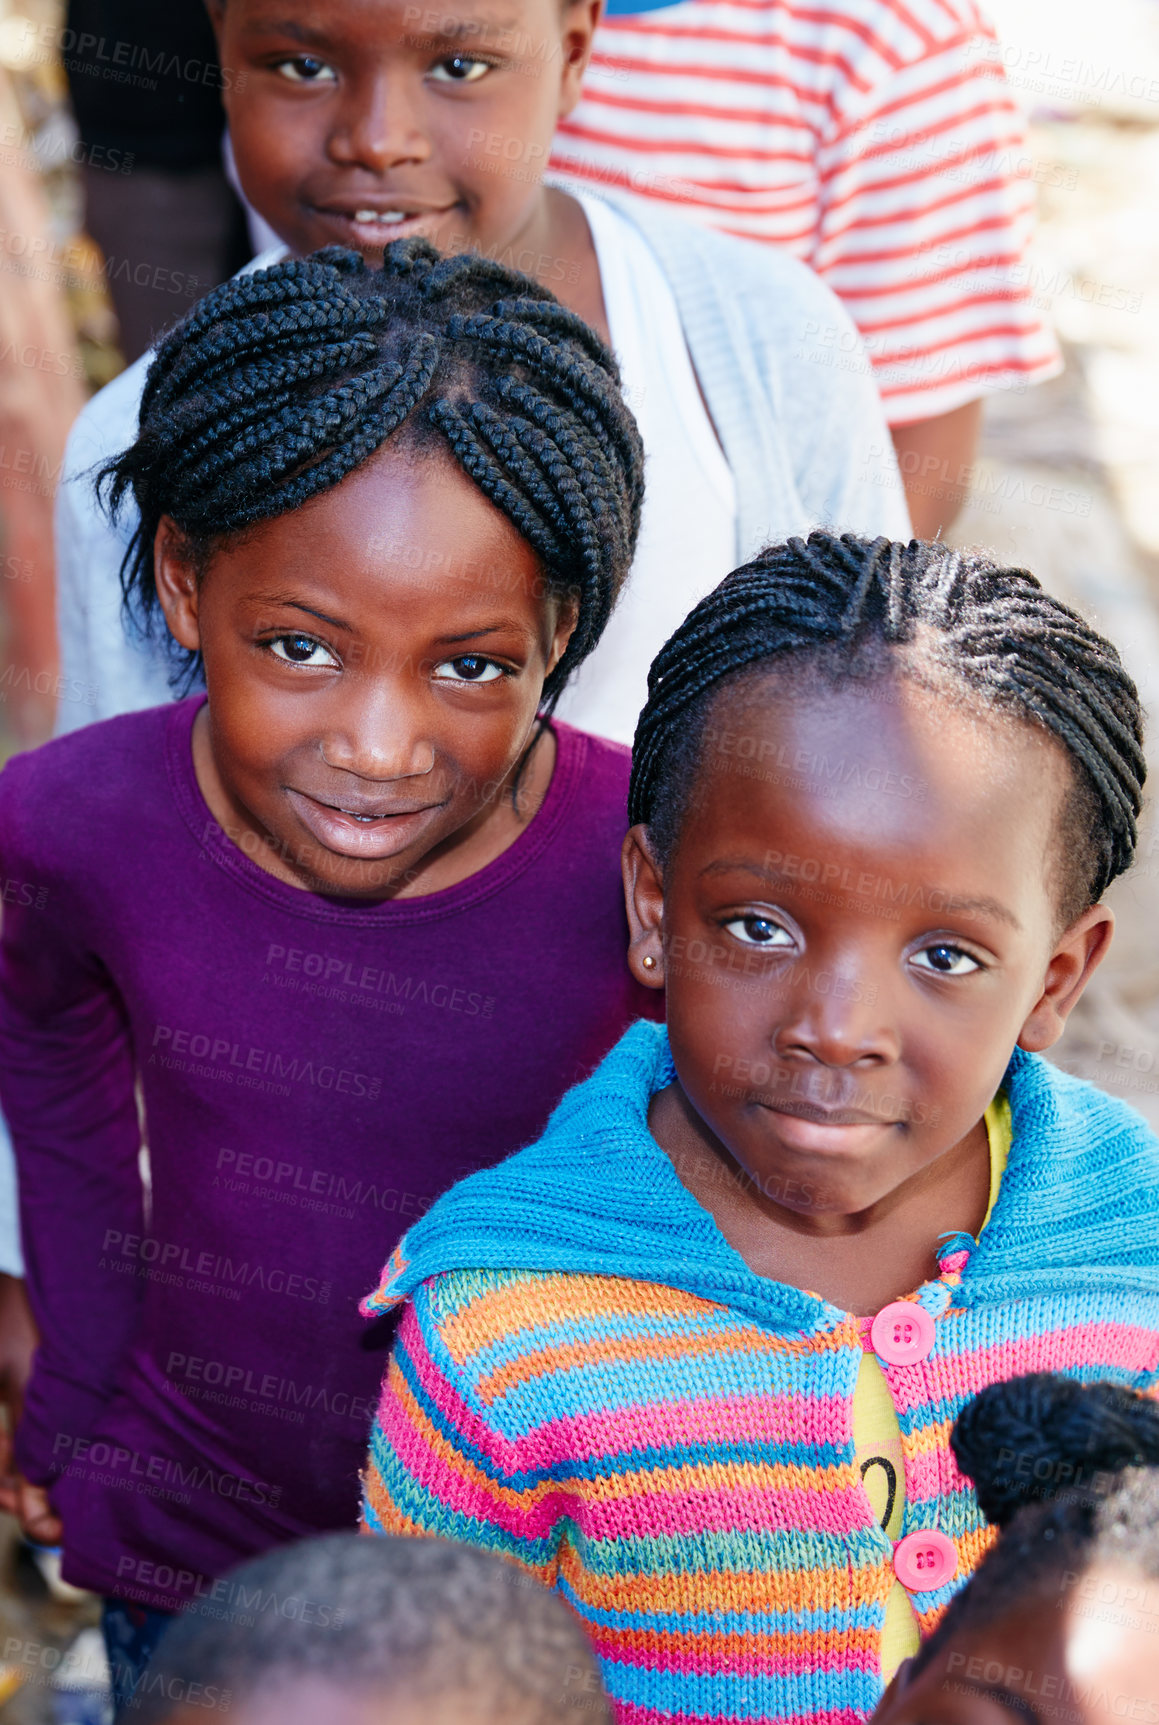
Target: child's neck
[(858, 1262), (555, 245)]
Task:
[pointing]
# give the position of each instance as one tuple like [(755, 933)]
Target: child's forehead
[(306, 1698), (383, 19), (884, 774), (891, 713), (404, 527)]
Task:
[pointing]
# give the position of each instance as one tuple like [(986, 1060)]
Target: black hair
[(841, 606), (281, 382), (1067, 1472), (402, 1618)]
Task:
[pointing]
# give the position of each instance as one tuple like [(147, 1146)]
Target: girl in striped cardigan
[(694, 1357)]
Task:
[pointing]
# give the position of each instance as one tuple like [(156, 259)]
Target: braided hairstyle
[(1067, 1472), (845, 606), (282, 382)]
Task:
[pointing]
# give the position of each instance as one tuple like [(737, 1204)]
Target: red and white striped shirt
[(876, 139)]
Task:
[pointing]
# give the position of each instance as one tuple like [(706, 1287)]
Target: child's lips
[(827, 1131), (377, 224), (369, 831)]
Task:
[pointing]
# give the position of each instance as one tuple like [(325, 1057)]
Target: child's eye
[(302, 650), (470, 668), (306, 69), (460, 69), (758, 931), (946, 960)]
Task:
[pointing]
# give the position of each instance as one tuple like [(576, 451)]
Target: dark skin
[(308, 1700), (439, 126), (1068, 1656), (366, 716), (444, 124), (831, 946), (18, 1341), (936, 457)]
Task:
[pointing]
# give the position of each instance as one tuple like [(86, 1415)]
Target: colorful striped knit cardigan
[(590, 1380)]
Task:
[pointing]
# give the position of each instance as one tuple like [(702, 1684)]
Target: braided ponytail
[(833, 601), (282, 382), (1069, 1472)]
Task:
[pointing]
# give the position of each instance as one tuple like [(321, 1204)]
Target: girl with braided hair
[(694, 1357), (364, 121), (1061, 1619), (349, 924)]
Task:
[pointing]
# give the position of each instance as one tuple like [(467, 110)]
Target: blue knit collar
[(1078, 1205)]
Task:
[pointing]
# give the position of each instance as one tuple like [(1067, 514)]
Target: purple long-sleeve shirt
[(312, 1073)]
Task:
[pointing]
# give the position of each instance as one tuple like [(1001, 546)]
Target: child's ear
[(580, 18), (1074, 961), (176, 583), (644, 897), (564, 629)]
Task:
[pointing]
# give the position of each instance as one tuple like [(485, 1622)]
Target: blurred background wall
[(1068, 480)]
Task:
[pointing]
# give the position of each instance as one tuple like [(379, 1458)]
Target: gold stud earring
[(649, 962)]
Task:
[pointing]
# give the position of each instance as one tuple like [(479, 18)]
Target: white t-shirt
[(689, 494)]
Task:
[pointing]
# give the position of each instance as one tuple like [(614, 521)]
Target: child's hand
[(39, 1520), (18, 1341)]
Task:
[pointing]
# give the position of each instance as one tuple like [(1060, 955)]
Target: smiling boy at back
[(359, 123)]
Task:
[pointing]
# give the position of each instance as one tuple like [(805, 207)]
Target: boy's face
[(375, 661), (358, 122), (857, 926), (1086, 1656)]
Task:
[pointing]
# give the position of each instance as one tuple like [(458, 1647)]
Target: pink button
[(901, 1333), (924, 1561)]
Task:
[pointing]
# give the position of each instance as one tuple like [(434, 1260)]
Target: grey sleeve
[(105, 668), (846, 470), (72, 533)]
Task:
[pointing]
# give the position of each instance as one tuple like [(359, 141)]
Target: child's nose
[(837, 1019), (379, 127), (379, 735)]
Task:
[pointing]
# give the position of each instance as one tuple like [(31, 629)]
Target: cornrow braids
[(282, 382), (841, 603), (1069, 1473)]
